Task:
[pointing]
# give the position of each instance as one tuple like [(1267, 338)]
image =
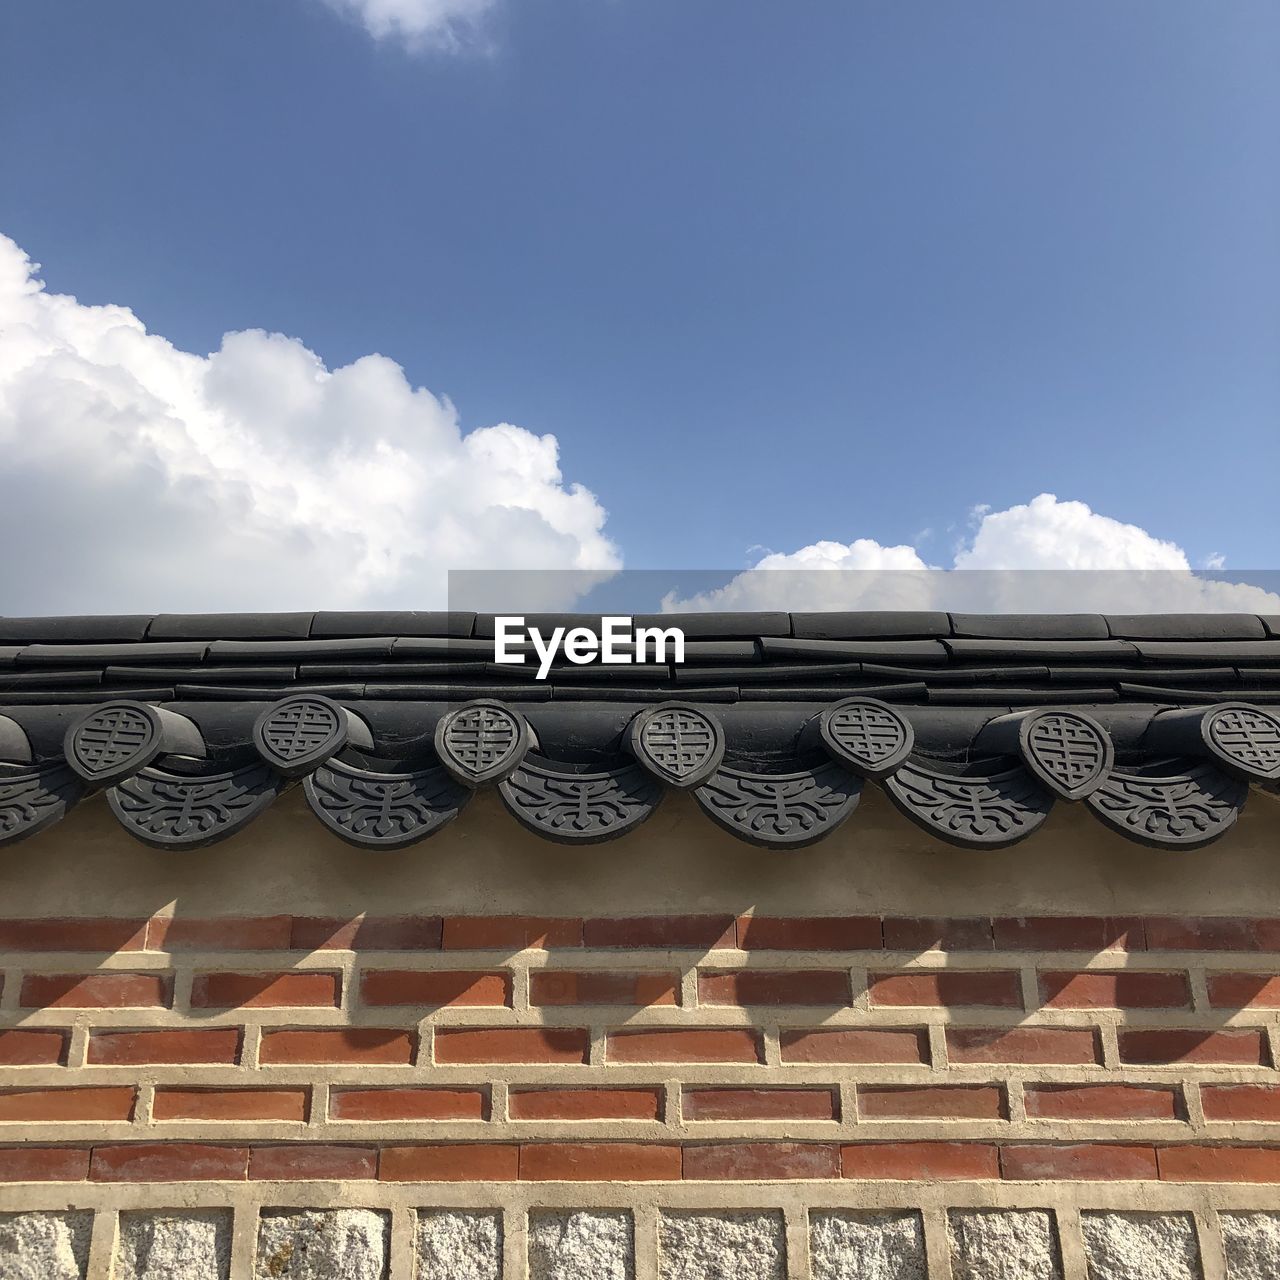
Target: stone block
[(1252, 1245), (570, 1244), (174, 1246), (459, 1244), (44, 1246), (1141, 1246), (722, 1246), (867, 1246), (337, 1244), (1004, 1244)]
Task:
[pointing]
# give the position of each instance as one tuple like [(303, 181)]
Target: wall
[(669, 1056)]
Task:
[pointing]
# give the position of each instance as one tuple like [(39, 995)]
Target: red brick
[(130, 1048), (234, 933), (1078, 1162), (1160, 1046), (297, 989), (585, 1104), (1129, 990), (1219, 1164), (600, 1162), (32, 1048), (1212, 933), (435, 988), (956, 987), (67, 934), (552, 987), (760, 1104), (728, 1044), (1240, 1101), (1022, 1044), (760, 1160), (950, 1102), (511, 1044), (509, 933), (941, 933), (362, 1045), (451, 1162), (168, 1162), (816, 933), (1067, 933), (1244, 991), (368, 933), (774, 987), (919, 1161), (230, 1104), (1100, 1102), (312, 1160), (698, 932), (855, 1044), (408, 1104), (40, 1105), (43, 1164), (95, 990)]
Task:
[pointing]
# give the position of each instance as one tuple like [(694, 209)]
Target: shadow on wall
[(486, 864)]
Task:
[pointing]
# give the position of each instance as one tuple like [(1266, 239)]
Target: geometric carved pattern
[(1246, 739), (780, 810), (1068, 752), (1179, 804), (113, 741), (680, 744), (300, 732), (869, 736), (188, 811), (383, 810), (576, 804), (32, 799), (988, 811), (481, 742)]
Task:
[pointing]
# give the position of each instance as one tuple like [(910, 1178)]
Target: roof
[(975, 725)]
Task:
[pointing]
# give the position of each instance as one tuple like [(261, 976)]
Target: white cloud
[(1042, 556), (442, 24), (140, 477)]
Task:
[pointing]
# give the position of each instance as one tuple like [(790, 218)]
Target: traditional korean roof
[(975, 725)]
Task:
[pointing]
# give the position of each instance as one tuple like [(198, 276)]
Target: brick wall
[(642, 1096)]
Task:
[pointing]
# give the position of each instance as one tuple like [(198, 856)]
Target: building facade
[(877, 946)]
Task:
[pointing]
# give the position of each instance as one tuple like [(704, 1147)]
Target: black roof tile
[(206, 673), (12, 678), (334, 626), (52, 697), (905, 691), (230, 626), (1234, 651), (765, 672), (301, 650), (1030, 626), (856, 650), (143, 651), (998, 695), (870, 625), (1044, 650), (719, 626), (1186, 626), (74, 629), (265, 693)]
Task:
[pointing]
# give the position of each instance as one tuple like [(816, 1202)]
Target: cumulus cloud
[(137, 476), (1045, 555), (441, 24)]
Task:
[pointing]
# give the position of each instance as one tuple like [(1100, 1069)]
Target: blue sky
[(770, 274)]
